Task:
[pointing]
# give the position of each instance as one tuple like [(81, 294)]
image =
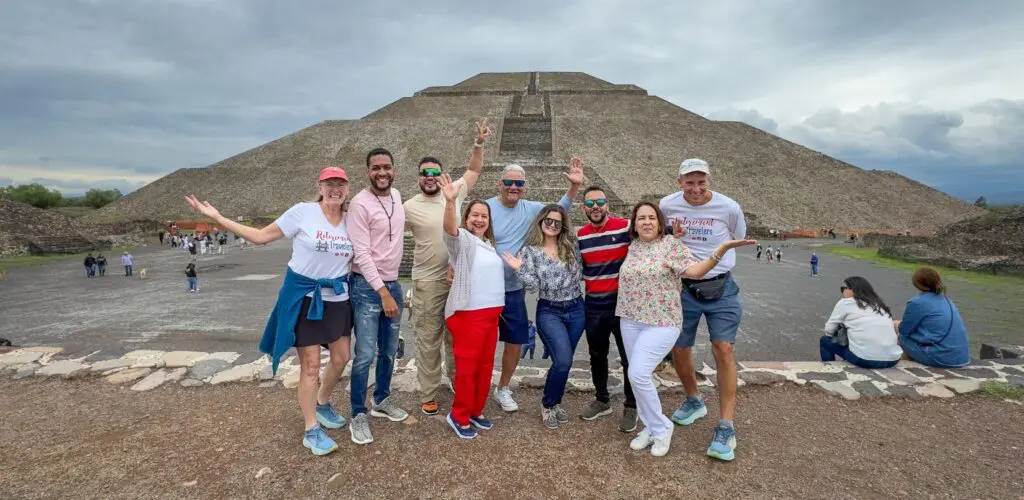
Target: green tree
[(97, 198), (981, 202), (37, 195)]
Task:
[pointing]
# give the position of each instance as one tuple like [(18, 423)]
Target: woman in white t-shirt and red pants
[(471, 312), (317, 278)]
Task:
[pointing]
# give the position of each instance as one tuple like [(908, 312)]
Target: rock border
[(149, 369)]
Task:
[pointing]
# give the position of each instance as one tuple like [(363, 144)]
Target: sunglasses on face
[(430, 172), (843, 288), (552, 223), (598, 202), (513, 182)]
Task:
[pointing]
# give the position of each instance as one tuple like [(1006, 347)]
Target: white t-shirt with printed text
[(319, 250), (708, 226)]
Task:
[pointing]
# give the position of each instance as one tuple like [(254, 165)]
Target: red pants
[(474, 339)]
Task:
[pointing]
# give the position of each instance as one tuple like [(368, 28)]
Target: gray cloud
[(126, 89)]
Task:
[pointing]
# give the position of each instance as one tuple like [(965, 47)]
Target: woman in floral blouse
[(651, 314), (549, 264)]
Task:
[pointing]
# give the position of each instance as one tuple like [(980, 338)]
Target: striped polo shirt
[(603, 251)]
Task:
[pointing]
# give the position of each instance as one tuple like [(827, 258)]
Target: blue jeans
[(560, 326), (829, 350), (376, 335), (814, 269), (193, 283)]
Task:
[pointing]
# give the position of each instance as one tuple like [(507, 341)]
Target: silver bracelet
[(478, 144), (715, 257)]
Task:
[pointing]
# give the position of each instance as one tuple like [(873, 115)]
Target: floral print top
[(552, 279), (650, 281)]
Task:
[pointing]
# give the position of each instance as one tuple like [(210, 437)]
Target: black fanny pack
[(707, 290)]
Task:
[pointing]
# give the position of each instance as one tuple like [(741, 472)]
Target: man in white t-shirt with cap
[(710, 219)]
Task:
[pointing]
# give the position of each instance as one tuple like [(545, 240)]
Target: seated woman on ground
[(870, 335), (932, 331)]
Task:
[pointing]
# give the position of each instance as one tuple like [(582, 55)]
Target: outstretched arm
[(451, 193), (699, 269), (258, 236), (476, 158), (575, 177)]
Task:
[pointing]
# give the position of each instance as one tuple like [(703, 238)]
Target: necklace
[(392, 196)]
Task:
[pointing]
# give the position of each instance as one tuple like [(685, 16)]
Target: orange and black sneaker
[(429, 408)]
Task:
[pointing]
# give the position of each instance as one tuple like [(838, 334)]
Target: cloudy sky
[(118, 93)]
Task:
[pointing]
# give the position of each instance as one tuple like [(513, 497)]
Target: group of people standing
[(97, 266), (647, 282)]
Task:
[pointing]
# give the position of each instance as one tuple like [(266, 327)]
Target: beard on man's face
[(596, 216)]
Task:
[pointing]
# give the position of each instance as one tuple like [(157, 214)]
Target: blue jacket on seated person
[(933, 333), (279, 335)]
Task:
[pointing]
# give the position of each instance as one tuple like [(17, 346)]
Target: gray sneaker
[(385, 409), (628, 421), (595, 410), (549, 417), (560, 414), (360, 429)]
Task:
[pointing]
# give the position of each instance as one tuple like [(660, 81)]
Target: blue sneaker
[(690, 411), (329, 418), (481, 422), (723, 446), (463, 432), (318, 441)]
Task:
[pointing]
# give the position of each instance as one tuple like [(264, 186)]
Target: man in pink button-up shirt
[(376, 223)]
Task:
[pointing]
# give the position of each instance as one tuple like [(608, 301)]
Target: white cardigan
[(872, 335)]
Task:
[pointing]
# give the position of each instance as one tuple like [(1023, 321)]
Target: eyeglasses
[(511, 182), (843, 288), (552, 223), (430, 172), (599, 202)]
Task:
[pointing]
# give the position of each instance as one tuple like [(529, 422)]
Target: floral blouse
[(650, 281), (552, 279)]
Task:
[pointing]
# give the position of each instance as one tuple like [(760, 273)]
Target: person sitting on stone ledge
[(870, 339), (932, 331)]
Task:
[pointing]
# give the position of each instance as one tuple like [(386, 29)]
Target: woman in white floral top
[(651, 313)]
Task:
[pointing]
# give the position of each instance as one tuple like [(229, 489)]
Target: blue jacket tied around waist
[(279, 335)]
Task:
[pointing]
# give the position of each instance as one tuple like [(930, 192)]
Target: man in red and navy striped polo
[(604, 243)]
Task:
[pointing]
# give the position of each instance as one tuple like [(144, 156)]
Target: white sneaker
[(661, 445), (503, 395), (641, 441)]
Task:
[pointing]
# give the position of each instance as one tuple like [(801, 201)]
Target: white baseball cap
[(691, 165)]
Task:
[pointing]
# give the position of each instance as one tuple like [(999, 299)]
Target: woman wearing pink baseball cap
[(313, 305)]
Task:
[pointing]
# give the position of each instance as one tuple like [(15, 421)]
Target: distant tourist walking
[(649, 304), (932, 331), (860, 329), (759, 250), (191, 278), (711, 220), (127, 261), (313, 305), (101, 264), (512, 217), (770, 253), (778, 255), (472, 307), (161, 235), (90, 266), (192, 248), (549, 264), (814, 264)]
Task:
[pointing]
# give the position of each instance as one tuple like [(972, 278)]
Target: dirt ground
[(87, 439)]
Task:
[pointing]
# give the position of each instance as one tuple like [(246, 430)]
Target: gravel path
[(88, 440)]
